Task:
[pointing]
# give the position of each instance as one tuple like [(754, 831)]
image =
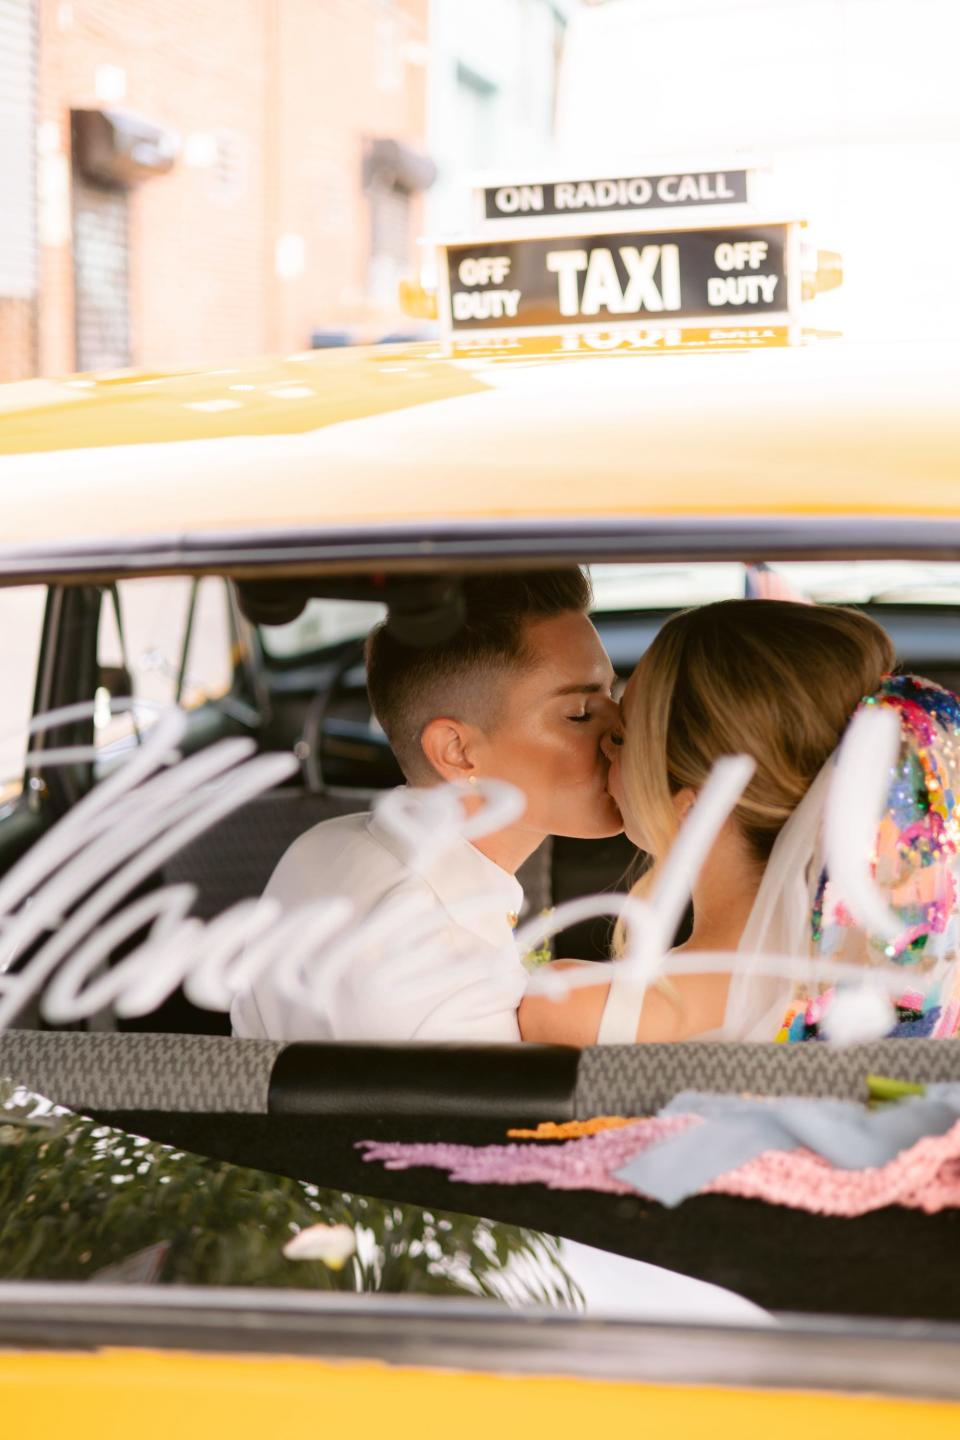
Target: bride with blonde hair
[(779, 682)]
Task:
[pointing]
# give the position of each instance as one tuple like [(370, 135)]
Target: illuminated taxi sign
[(615, 194), (715, 273)]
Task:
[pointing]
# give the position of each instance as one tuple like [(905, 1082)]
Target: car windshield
[(856, 582), (327, 623), (915, 601)]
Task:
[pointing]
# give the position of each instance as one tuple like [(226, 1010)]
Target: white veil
[(779, 922), (778, 925)]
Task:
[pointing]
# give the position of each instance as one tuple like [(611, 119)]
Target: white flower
[(333, 1244)]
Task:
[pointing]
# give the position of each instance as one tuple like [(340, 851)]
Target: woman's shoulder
[(571, 1019)]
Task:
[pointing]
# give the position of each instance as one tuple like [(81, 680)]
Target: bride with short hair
[(779, 682)]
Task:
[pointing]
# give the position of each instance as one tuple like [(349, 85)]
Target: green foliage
[(77, 1197)]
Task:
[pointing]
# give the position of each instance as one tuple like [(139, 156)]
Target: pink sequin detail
[(949, 1021), (925, 1177), (915, 718)]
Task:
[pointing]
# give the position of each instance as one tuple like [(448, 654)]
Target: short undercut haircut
[(409, 686)]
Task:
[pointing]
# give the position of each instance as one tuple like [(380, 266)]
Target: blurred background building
[(848, 109), (205, 179), (493, 93), (196, 180)]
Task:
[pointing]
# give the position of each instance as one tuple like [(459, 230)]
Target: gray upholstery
[(192, 1073), (638, 1079), (215, 1074), (235, 859)]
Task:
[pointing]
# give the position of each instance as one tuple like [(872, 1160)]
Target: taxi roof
[(624, 430)]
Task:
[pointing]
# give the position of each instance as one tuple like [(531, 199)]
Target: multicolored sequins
[(917, 847)]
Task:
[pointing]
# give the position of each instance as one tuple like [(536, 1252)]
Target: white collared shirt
[(465, 984)]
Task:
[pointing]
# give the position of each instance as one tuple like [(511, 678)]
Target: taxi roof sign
[(688, 245)]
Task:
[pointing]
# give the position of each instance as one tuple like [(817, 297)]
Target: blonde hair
[(768, 678)]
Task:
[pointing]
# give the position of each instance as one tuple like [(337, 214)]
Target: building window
[(477, 118), (228, 174), (101, 258), (392, 174)]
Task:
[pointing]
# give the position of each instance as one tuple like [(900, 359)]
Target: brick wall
[(18, 271), (17, 339), (272, 101)]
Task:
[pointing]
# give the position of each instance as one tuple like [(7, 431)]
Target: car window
[(846, 582), (21, 623), (170, 644), (323, 622)]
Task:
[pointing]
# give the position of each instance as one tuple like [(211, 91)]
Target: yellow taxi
[(189, 1237)]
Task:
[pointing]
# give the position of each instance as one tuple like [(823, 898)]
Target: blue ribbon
[(738, 1129)]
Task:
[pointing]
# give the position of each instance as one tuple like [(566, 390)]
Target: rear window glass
[(323, 623)]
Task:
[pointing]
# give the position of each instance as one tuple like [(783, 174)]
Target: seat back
[(234, 859), (202, 1074)]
